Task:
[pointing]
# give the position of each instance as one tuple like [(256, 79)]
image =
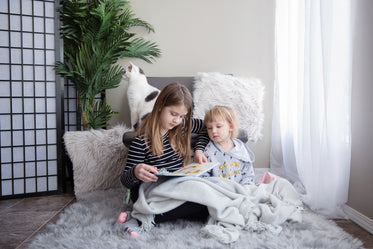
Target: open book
[(192, 169)]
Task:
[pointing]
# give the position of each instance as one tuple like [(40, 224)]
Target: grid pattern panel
[(28, 101), (73, 119), (71, 107)]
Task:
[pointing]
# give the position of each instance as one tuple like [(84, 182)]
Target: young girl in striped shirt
[(163, 141)]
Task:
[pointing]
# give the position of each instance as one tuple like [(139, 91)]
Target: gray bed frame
[(160, 83)]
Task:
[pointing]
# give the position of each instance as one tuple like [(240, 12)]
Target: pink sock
[(122, 219), (131, 232), (267, 178)]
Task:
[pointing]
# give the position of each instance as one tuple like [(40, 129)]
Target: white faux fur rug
[(90, 223)]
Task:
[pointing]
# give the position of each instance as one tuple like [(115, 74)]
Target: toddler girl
[(234, 157)]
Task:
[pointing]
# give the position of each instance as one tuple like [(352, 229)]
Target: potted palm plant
[(96, 33)]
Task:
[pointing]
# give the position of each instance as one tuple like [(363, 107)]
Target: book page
[(192, 169)]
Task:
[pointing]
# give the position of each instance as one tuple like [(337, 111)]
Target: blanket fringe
[(147, 224), (259, 227)]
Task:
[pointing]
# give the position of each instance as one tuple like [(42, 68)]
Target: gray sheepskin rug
[(91, 223)]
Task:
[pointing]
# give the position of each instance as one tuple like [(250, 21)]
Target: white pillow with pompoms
[(244, 95)]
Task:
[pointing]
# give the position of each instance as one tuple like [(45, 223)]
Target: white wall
[(361, 178), (211, 35)]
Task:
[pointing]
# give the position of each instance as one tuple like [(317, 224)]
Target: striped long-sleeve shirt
[(139, 152)]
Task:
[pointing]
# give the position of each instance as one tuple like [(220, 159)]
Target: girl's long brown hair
[(179, 137)]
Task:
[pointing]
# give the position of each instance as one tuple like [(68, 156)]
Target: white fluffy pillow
[(244, 95), (98, 158)]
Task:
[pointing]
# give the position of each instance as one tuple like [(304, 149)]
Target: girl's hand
[(146, 173), (199, 157)]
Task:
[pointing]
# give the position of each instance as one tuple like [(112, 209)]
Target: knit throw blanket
[(232, 207)]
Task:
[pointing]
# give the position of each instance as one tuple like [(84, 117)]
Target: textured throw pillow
[(98, 158), (244, 95)]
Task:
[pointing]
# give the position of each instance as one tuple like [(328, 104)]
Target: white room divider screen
[(31, 99)]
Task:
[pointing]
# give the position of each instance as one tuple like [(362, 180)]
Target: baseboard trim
[(359, 218)]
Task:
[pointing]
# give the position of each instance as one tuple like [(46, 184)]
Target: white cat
[(141, 95)]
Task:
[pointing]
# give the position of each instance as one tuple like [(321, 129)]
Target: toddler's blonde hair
[(222, 112)]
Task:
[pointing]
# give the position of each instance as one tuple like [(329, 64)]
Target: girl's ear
[(231, 127)]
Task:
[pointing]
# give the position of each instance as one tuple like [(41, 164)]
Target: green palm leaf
[(143, 49), (96, 34)]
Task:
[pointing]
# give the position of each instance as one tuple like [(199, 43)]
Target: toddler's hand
[(146, 173), (199, 157)]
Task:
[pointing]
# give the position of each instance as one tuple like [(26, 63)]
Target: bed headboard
[(161, 82)]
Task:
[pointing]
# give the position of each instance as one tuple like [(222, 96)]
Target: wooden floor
[(22, 219), (357, 231)]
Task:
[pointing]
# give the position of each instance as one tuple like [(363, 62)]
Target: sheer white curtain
[(311, 144)]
